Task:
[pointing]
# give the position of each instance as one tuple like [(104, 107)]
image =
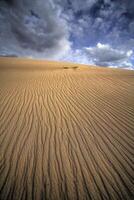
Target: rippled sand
[(66, 131)]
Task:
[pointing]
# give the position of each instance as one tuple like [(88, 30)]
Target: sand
[(66, 131)]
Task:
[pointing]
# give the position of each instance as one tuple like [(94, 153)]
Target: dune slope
[(66, 133)]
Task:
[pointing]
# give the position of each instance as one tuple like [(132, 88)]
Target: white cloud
[(77, 56), (105, 55), (79, 5)]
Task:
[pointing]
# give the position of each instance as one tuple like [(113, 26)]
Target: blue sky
[(99, 32)]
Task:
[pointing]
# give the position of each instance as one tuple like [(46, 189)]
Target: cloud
[(108, 21), (105, 55), (33, 27), (77, 56), (61, 29)]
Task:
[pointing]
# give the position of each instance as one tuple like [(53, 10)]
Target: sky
[(99, 32)]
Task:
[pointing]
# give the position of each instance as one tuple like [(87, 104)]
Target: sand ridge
[(65, 132)]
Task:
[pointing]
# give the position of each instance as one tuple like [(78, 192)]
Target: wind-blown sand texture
[(65, 133)]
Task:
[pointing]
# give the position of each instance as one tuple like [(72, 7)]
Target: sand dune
[(66, 133)]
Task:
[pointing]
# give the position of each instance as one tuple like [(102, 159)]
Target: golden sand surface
[(66, 131)]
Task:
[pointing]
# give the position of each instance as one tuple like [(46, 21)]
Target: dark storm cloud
[(9, 1), (33, 25)]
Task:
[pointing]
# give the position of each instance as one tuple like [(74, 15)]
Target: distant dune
[(66, 131)]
